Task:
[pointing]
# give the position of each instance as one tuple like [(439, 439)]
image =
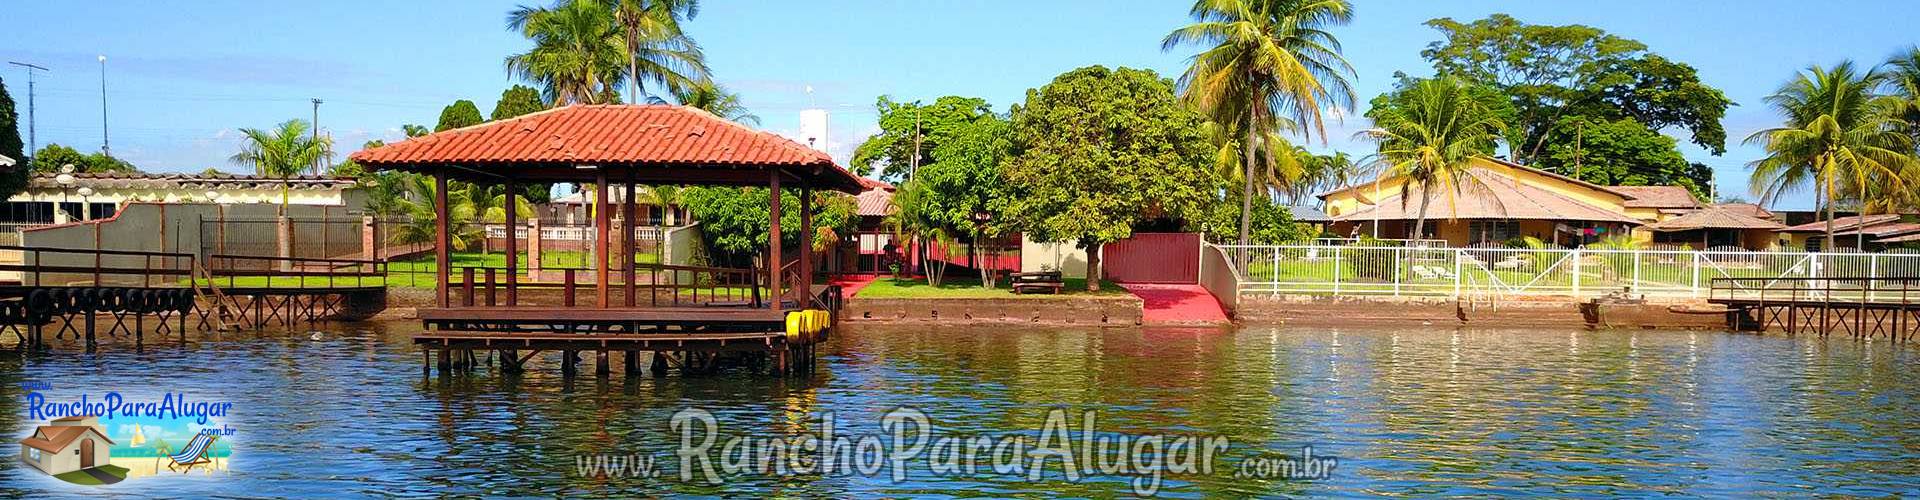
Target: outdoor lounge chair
[(195, 453)]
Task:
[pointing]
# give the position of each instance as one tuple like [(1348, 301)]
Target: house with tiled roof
[(1877, 232), (67, 444), (1500, 200)]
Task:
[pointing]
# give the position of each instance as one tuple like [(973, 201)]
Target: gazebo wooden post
[(627, 246), (773, 239), (805, 287), (441, 243), (513, 242), (600, 220)]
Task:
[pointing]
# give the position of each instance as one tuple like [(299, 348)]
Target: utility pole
[(316, 133), (105, 147), (33, 138)]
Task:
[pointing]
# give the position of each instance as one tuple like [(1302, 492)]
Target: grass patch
[(969, 288), (83, 478)]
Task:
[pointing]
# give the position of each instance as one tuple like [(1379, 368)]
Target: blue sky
[(182, 76)]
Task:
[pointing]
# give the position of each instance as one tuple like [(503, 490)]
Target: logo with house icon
[(81, 450)]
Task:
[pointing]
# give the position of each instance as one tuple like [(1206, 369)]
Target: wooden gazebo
[(620, 146)]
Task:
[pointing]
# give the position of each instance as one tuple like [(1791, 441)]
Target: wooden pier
[(89, 293), (694, 318), (1865, 308)]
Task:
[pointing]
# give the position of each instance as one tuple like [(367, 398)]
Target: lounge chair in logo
[(195, 453)]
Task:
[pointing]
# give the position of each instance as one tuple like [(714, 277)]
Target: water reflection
[(1409, 412)]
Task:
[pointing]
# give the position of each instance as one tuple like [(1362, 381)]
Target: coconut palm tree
[(283, 151), (1261, 59), (1331, 171), (577, 51), (1836, 127), (656, 48), (423, 215), (1903, 80), (714, 98), (1430, 132)]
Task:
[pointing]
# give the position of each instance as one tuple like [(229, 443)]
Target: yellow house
[(1501, 200)]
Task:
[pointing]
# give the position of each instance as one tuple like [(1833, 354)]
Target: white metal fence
[(1413, 271)]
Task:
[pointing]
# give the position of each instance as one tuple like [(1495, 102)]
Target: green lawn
[(81, 476), (418, 272), (969, 288)]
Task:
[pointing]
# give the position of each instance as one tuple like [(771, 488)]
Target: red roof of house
[(53, 438), (875, 202), (661, 135), (1843, 223), (1658, 197)]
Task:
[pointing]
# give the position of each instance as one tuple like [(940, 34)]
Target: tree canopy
[(1554, 72), (734, 220), (890, 153), (1624, 152), (15, 179), (52, 156), (461, 113), (515, 101), (1099, 150)]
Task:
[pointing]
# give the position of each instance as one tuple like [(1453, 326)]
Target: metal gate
[(1153, 258)]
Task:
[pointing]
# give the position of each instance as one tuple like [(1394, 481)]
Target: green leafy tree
[(734, 220), (461, 113), (1838, 129), (52, 156), (915, 215), (413, 131), (910, 128), (1625, 152), (1264, 66), (1552, 72), (517, 100), (961, 191), (1099, 150), (283, 151), (1430, 131), (13, 179)]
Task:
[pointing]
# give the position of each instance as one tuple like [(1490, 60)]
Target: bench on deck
[(1048, 281)]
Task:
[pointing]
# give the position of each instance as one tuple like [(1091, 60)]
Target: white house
[(69, 444)]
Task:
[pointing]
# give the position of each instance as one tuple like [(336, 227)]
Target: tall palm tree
[(283, 151), (1262, 59), (1836, 126), (1430, 132), (1331, 171), (577, 50), (656, 48), (714, 98)]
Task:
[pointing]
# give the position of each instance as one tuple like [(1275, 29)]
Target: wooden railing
[(662, 286), (1903, 291), (298, 272), (90, 266)]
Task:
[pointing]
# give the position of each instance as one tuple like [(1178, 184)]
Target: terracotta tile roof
[(1658, 197), (1495, 196), (1714, 218), (53, 438), (1843, 223), (657, 134), (874, 203), (874, 184), (1747, 209), (1510, 164)]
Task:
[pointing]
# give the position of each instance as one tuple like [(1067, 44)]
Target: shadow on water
[(1407, 411)]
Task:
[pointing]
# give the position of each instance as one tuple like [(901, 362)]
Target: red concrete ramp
[(1171, 304)]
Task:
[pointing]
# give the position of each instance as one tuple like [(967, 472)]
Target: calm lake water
[(1404, 411)]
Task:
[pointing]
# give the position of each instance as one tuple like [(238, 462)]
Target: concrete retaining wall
[(1102, 311)]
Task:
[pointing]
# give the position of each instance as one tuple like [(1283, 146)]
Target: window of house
[(1495, 231), (33, 454)]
